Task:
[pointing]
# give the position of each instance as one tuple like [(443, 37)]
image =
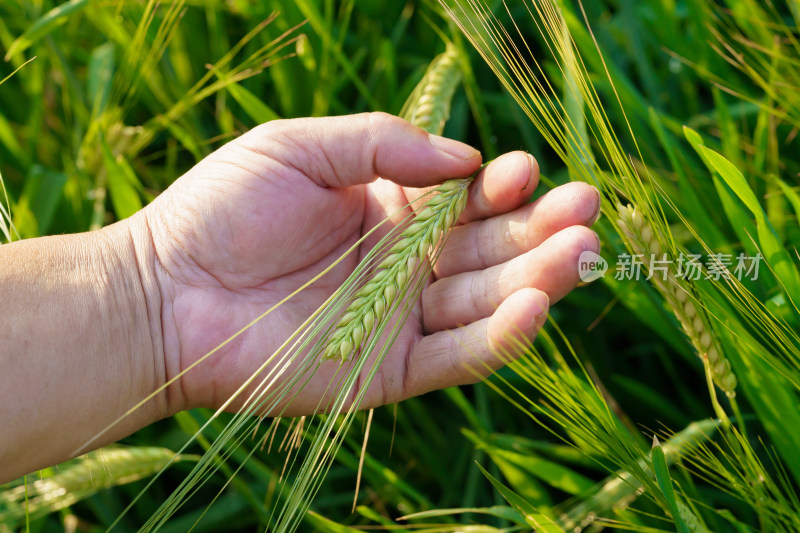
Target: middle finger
[(486, 243)]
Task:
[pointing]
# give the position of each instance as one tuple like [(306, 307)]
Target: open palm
[(270, 210)]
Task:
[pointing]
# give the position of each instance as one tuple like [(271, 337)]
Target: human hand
[(265, 213)]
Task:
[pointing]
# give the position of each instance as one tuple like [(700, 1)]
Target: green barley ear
[(428, 107), (398, 267), (88, 475), (619, 490), (644, 241), (429, 104)]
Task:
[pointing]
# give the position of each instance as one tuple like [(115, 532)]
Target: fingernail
[(599, 244), (453, 148), (543, 303), (532, 176), (597, 211)]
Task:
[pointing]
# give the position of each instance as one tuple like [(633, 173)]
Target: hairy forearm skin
[(80, 343)]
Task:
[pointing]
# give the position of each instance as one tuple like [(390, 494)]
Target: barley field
[(662, 395)]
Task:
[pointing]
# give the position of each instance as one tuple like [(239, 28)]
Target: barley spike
[(374, 299), (90, 474), (694, 322), (428, 107)]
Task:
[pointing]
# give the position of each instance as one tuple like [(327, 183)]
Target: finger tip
[(411, 156), (587, 200), (505, 184), (597, 206), (580, 202), (517, 176), (533, 175), (461, 153), (535, 305), (521, 316), (582, 239)]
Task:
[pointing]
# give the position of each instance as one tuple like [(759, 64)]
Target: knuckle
[(480, 242), (529, 233), (381, 119), (377, 122), (478, 294)]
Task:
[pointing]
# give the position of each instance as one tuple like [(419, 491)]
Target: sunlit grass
[(561, 121)]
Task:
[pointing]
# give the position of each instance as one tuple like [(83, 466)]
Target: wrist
[(133, 293), (78, 347)]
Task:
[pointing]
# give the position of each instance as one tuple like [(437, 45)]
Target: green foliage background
[(102, 121)]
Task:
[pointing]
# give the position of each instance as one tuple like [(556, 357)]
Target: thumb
[(355, 149)]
